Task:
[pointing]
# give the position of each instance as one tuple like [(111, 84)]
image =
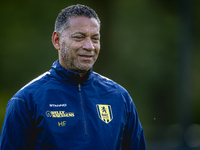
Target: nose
[(88, 45)]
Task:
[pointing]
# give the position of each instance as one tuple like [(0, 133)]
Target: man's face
[(80, 44)]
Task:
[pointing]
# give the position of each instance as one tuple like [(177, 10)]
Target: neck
[(81, 73)]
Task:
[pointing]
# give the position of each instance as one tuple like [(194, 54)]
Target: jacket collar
[(65, 75)]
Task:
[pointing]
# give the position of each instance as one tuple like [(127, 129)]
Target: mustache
[(86, 53)]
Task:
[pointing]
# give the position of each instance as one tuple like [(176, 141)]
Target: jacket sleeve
[(133, 136), (17, 127)]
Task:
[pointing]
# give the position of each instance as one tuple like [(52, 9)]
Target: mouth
[(86, 57)]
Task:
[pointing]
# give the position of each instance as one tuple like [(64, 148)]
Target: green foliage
[(4, 97)]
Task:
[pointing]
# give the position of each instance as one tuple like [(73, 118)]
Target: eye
[(78, 38), (95, 39)]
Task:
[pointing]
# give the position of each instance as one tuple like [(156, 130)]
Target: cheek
[(97, 49), (67, 49)]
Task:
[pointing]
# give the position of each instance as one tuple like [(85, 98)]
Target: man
[(71, 107)]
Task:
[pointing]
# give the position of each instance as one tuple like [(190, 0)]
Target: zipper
[(83, 112), (79, 87)]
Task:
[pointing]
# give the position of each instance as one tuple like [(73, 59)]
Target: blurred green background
[(151, 47)]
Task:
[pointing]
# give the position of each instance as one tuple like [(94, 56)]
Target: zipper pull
[(79, 87)]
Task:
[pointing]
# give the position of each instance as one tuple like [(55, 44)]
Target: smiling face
[(78, 45)]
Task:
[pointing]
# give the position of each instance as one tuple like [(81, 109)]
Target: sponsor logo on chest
[(59, 114), (104, 112)]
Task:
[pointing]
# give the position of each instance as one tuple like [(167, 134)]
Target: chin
[(85, 68)]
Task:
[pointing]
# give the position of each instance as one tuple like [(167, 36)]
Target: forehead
[(83, 24)]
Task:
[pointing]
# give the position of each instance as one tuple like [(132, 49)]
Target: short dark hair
[(62, 21)]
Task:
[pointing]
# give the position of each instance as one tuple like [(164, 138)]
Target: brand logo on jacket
[(57, 105), (104, 113), (59, 114)]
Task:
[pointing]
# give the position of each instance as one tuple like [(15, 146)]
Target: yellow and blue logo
[(104, 113), (59, 114)]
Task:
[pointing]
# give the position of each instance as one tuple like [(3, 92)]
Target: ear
[(56, 40)]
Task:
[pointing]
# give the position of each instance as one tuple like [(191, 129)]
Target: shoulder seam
[(17, 98), (39, 77)]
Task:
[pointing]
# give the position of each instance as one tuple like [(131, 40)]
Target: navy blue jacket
[(59, 110)]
